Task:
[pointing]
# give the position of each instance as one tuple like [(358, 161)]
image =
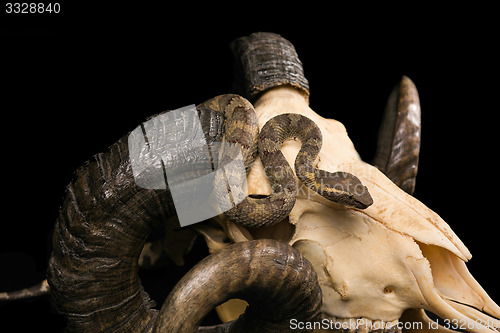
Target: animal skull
[(377, 267), (388, 262)]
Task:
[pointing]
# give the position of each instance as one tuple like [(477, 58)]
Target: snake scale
[(110, 208), (241, 130)]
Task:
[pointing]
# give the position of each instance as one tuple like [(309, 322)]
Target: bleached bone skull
[(376, 267), (388, 262)]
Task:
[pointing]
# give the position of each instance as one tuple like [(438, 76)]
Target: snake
[(111, 208), (241, 130)]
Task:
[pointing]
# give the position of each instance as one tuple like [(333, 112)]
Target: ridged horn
[(106, 218), (273, 277), (102, 226), (264, 60), (399, 136)]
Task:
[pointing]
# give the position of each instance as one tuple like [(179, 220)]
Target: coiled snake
[(241, 129), (107, 216)]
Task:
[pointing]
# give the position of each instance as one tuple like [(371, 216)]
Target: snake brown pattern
[(241, 129)]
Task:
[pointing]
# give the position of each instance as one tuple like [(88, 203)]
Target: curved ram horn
[(103, 224), (399, 136), (108, 212), (273, 277), (264, 60)]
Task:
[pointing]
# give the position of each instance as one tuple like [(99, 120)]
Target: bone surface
[(376, 263)]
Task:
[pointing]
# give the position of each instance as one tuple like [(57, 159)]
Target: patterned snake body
[(241, 129), (107, 216)]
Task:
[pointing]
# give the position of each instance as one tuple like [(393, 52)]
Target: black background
[(75, 82)]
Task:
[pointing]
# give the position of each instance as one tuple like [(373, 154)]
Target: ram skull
[(388, 263), (374, 268)]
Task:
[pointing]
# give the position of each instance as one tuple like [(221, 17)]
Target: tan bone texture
[(386, 263)]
